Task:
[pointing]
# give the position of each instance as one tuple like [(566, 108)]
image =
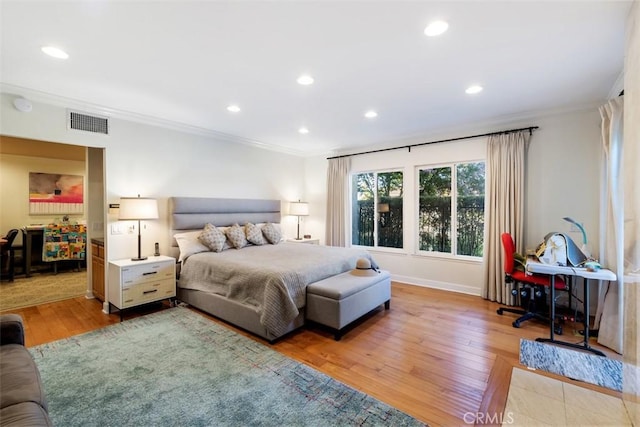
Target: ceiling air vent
[(79, 121)]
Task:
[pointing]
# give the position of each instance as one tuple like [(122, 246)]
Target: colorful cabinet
[(64, 242)]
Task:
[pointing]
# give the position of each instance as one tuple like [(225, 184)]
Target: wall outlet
[(131, 229)]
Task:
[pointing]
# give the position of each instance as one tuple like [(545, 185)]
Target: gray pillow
[(236, 236), (271, 233), (254, 234), (212, 238)]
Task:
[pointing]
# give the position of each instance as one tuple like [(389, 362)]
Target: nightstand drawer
[(146, 273), (147, 292)]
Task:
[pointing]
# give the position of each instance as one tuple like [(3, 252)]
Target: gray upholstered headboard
[(193, 213)]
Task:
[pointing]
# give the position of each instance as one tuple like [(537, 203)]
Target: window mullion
[(454, 210), (375, 209)]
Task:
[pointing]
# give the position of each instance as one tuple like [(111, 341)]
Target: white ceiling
[(184, 62)]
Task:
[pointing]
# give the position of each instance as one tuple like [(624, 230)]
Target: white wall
[(157, 162), (563, 180)]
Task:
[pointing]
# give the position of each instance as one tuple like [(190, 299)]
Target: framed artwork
[(55, 194)]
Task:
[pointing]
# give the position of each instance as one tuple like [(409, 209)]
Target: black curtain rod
[(530, 129)]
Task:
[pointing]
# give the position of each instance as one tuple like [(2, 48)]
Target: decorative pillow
[(254, 234), (212, 238), (189, 244), (272, 233), (236, 236)]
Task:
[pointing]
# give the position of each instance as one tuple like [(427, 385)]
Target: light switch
[(116, 228)]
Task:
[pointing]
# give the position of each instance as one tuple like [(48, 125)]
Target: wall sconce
[(299, 209), (137, 209)]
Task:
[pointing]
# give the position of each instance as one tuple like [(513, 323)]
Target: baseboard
[(445, 286)]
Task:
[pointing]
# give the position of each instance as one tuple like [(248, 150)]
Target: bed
[(259, 288)]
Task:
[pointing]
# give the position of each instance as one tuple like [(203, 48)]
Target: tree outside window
[(452, 198), (376, 207)]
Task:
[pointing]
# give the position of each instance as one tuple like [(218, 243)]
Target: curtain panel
[(337, 201), (506, 167), (609, 315)]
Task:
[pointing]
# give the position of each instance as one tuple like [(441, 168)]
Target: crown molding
[(87, 107)]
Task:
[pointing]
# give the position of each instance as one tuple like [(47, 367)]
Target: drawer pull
[(149, 272), (150, 292)]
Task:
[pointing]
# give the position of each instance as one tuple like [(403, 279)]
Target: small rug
[(41, 289), (574, 364), (177, 368)]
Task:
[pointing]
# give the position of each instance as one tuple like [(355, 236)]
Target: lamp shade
[(138, 208), (299, 208)]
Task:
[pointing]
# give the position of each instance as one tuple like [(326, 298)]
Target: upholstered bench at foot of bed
[(339, 300)]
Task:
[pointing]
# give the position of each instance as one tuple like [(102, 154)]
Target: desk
[(553, 271)]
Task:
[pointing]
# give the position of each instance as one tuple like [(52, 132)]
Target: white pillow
[(189, 244)]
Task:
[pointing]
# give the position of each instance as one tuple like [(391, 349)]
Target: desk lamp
[(138, 208), (584, 234)]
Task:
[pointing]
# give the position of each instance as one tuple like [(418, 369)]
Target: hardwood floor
[(436, 355)]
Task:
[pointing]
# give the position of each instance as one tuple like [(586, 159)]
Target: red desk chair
[(529, 288)]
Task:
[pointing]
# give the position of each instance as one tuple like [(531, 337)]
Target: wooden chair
[(7, 256)]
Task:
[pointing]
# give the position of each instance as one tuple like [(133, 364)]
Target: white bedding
[(271, 278)]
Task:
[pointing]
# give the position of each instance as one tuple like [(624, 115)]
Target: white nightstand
[(133, 283), (308, 241)]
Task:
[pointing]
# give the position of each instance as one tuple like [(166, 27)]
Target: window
[(452, 198), (376, 209)]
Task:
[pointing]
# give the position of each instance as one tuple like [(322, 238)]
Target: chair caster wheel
[(557, 330), (499, 311), (516, 324)]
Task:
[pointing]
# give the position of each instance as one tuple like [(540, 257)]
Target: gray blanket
[(271, 278)]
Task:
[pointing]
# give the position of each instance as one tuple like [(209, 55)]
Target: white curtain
[(337, 201), (609, 315), (506, 166)]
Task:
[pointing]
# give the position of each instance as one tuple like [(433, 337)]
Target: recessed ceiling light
[(303, 130), (305, 80), (55, 52), (370, 114), (436, 28), (472, 90), (233, 108)]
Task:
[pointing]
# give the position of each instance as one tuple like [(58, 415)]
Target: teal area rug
[(176, 368)]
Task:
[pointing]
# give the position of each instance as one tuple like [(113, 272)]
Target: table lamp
[(137, 209), (299, 209)]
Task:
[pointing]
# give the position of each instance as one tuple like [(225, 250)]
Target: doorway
[(18, 158)]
